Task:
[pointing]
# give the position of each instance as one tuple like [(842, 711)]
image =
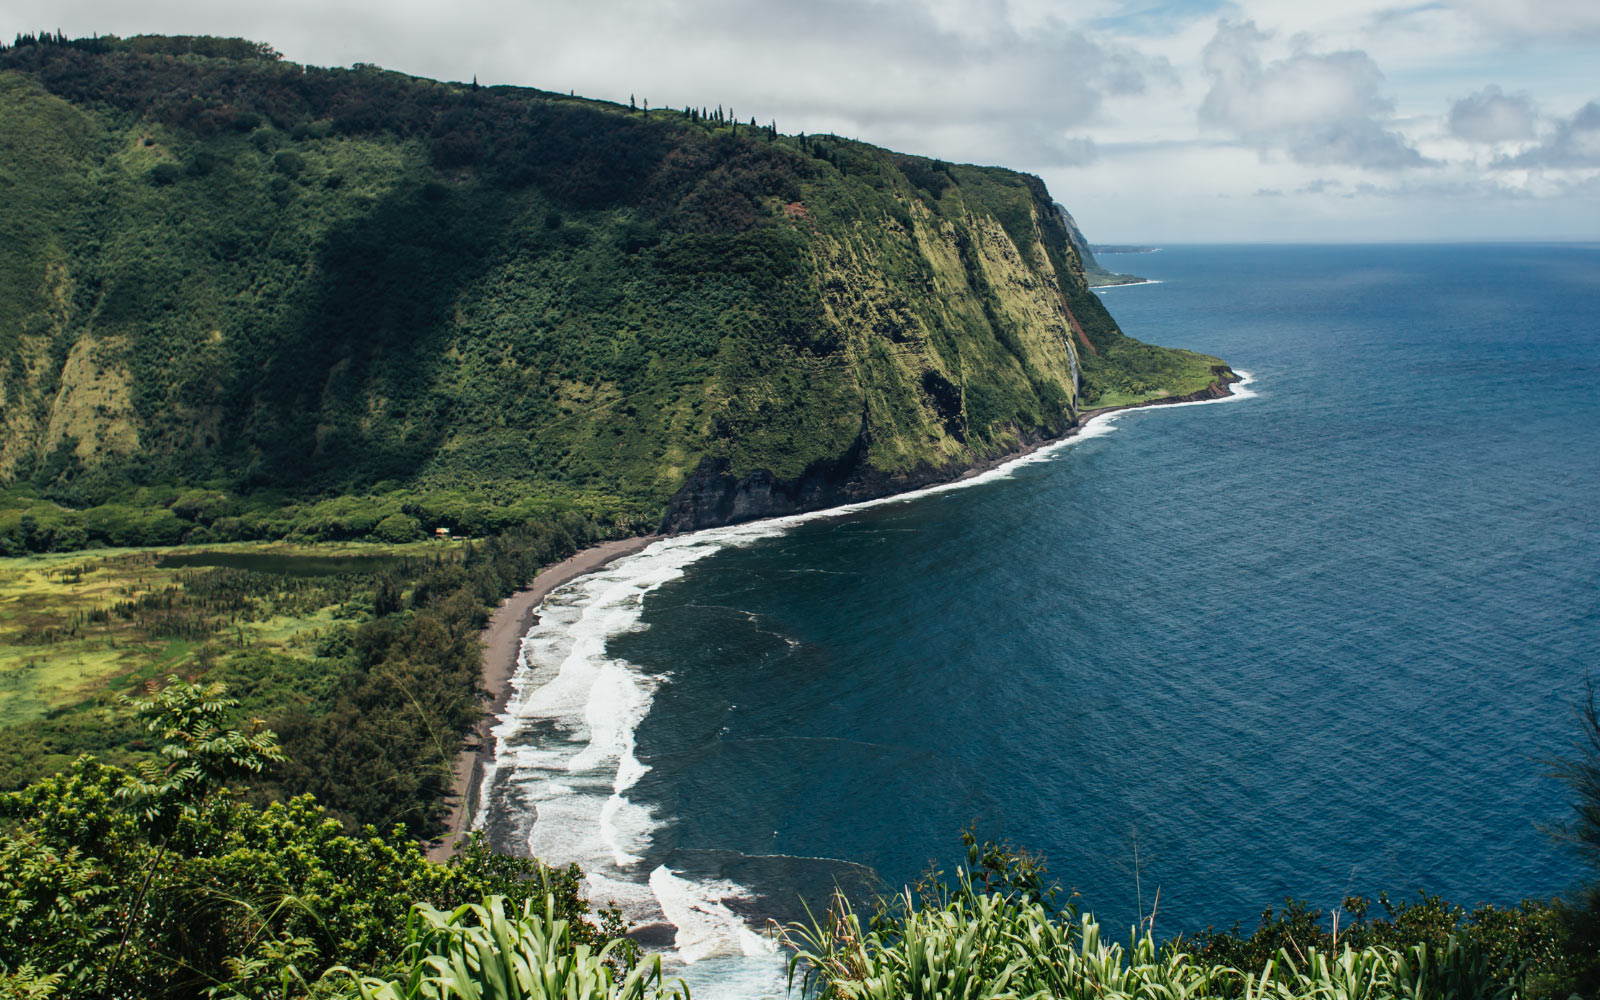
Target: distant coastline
[(1106, 279), (1118, 248), (511, 621), (1124, 284)]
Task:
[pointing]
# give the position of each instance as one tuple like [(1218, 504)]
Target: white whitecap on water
[(706, 926), (717, 955), (733, 977), (565, 742)]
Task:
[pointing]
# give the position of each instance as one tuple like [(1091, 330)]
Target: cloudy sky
[(1188, 120)]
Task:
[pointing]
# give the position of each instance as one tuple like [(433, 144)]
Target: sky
[(1152, 121)]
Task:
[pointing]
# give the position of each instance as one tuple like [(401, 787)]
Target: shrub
[(398, 528), (974, 945), (289, 162), (162, 883), (497, 952), (163, 174)]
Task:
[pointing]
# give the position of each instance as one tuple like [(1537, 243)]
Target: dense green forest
[(161, 881), (245, 299)]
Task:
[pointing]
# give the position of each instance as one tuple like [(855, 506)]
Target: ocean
[(1317, 639)]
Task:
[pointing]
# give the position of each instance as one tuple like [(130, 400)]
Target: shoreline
[(511, 621), (1218, 389), (502, 641), (1125, 284)]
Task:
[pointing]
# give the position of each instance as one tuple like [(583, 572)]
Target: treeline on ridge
[(577, 151)]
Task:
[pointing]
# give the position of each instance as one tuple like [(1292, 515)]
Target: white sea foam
[(706, 926), (733, 977), (564, 747)]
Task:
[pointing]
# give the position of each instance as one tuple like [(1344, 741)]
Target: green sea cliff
[(244, 298)]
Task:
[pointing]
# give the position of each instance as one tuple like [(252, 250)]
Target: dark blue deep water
[(1310, 643)]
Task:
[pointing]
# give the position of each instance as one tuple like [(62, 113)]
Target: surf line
[(563, 762)]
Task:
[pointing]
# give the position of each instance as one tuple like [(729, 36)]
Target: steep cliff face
[(254, 275), (971, 358)]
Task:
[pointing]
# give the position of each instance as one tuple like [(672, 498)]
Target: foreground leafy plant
[(974, 944), (166, 885), (485, 952)]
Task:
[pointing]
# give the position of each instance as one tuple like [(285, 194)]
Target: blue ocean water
[(1309, 643)]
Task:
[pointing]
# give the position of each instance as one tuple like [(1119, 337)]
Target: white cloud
[(1562, 20), (1319, 108), (1574, 144), (1490, 116)]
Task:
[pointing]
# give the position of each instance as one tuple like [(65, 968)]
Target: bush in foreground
[(999, 933), (976, 946), (161, 883), (495, 952)]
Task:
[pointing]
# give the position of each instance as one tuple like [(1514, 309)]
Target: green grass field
[(74, 626)]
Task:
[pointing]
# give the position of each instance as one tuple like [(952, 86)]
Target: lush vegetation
[(365, 660), (242, 299), (163, 516), (163, 882), (1000, 931), (71, 622), (1539, 948), (487, 953)]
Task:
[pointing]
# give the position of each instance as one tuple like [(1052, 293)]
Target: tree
[(386, 596), (198, 755), (1581, 773), (164, 884), (398, 527), (78, 873)]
